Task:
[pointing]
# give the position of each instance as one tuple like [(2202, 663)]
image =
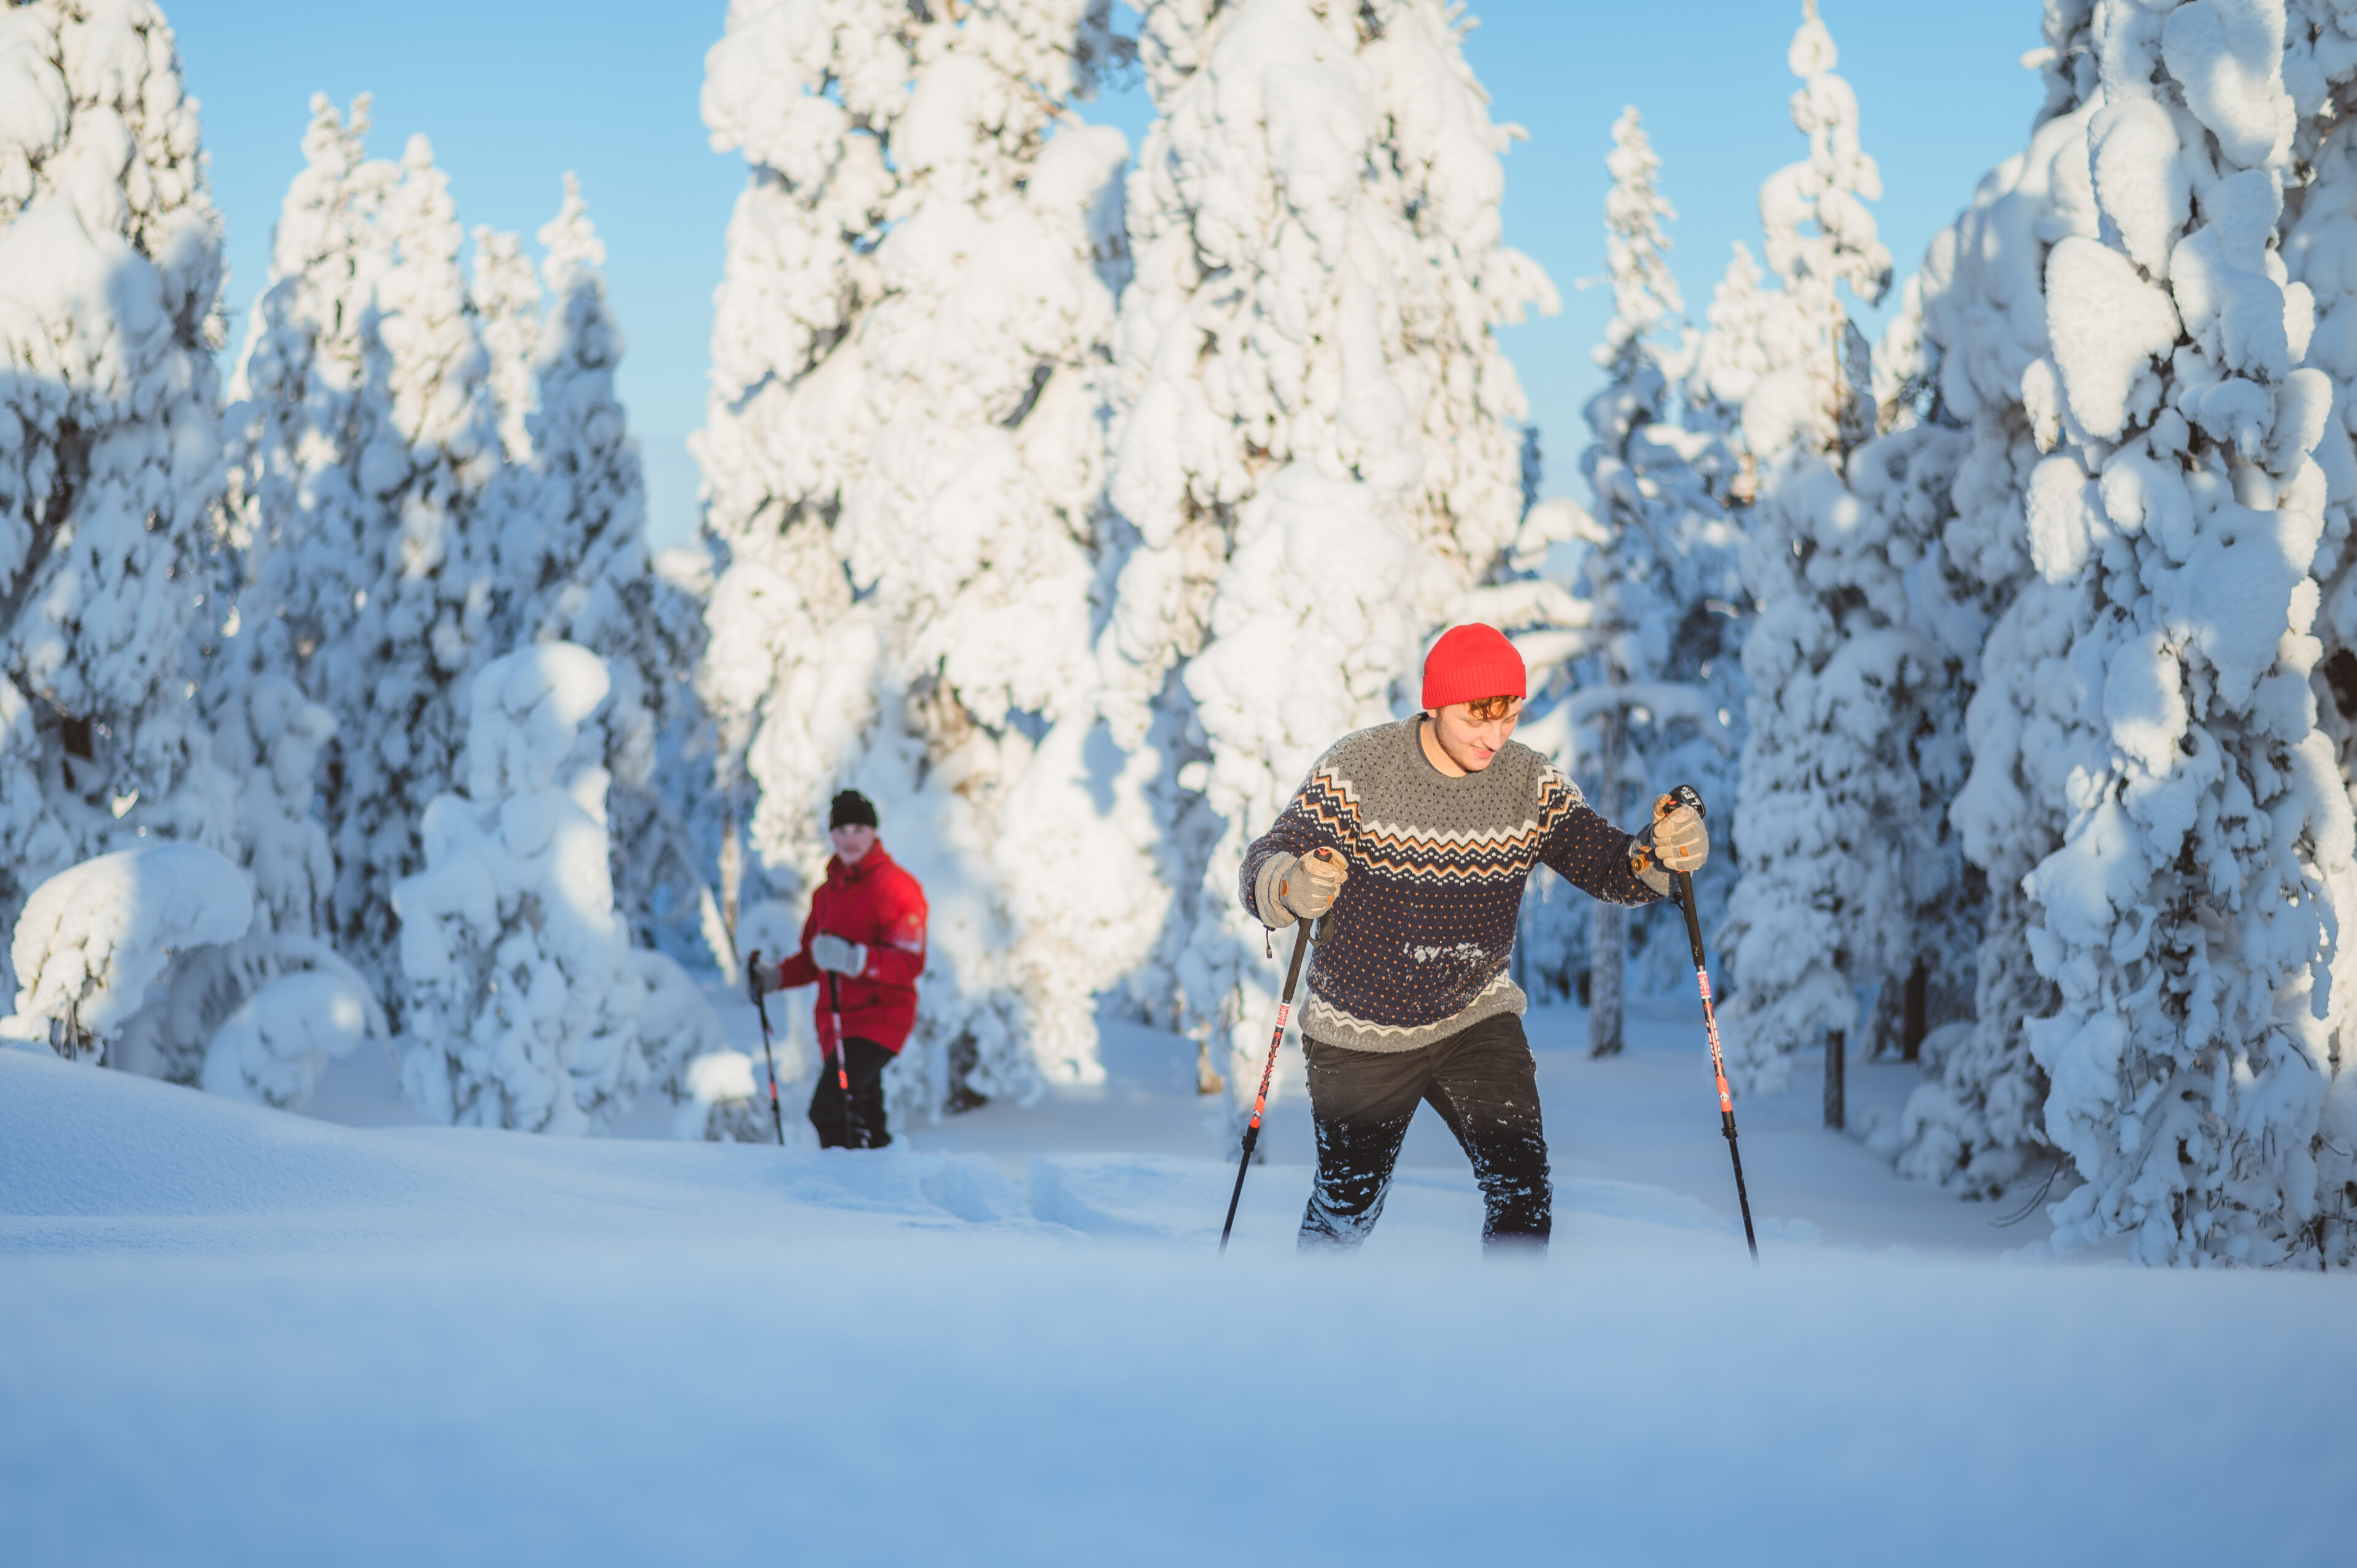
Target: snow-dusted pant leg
[(1484, 1085), (1359, 1104), (865, 1062)]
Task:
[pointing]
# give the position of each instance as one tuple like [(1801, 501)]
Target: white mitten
[(832, 952)]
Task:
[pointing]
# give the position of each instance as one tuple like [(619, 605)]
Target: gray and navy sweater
[(1417, 944)]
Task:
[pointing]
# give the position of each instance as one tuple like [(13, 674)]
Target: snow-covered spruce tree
[(503, 292), (525, 1001), (302, 411), (1979, 1120), (394, 667), (977, 531), (812, 105), (1662, 570), (1316, 447), (567, 526), (904, 458), (2186, 919), (2320, 251), (1819, 906), (110, 436)]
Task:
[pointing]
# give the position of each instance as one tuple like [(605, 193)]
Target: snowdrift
[(238, 1336)]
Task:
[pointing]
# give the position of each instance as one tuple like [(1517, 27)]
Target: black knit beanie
[(851, 809)]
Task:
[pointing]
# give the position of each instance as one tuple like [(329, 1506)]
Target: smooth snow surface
[(237, 1335)]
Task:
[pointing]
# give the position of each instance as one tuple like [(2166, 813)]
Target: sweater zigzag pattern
[(1417, 944)]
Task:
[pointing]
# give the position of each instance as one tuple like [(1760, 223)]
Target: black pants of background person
[(1482, 1082), (865, 1061)]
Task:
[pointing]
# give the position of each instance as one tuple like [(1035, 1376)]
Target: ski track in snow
[(240, 1335)]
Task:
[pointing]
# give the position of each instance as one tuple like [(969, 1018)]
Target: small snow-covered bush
[(525, 1001), (93, 937), (275, 1047)]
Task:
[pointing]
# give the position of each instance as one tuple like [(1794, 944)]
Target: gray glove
[(1674, 841), (832, 952), (1301, 886), (1680, 840)]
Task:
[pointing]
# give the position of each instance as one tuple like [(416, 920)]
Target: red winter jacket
[(881, 908)]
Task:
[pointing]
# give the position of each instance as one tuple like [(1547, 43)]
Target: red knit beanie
[(1470, 662)]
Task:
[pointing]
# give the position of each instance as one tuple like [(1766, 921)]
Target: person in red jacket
[(865, 929)]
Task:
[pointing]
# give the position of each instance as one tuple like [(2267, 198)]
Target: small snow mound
[(275, 1048), (94, 936)]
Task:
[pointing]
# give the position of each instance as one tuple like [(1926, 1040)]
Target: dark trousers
[(1482, 1082), (865, 1062)]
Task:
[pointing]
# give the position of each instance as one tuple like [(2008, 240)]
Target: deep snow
[(236, 1335)]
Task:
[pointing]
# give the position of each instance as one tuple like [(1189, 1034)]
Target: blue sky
[(514, 92)]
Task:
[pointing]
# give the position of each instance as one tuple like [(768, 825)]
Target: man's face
[(852, 840), (1473, 732)]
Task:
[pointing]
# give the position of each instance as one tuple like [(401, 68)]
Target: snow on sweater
[(1416, 945)]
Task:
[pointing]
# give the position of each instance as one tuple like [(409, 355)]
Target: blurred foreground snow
[(240, 1335)]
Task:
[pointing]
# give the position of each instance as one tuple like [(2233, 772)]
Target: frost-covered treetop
[(570, 240), (1830, 188), (1636, 242), (92, 109), (1816, 394), (504, 294)]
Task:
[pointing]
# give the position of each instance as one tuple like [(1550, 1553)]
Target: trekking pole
[(842, 1055), (753, 984), (1260, 1101), (1685, 795)]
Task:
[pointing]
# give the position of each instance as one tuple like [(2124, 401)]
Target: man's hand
[(1681, 843), (1310, 885), (835, 954)]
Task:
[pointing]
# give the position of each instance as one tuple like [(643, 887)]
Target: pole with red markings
[(753, 984), (842, 1056), (1685, 795), (1260, 1100)]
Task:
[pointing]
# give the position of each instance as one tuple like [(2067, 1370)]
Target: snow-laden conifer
[(1317, 449), (567, 528), (1821, 908), (1660, 578), (503, 292), (910, 499), (109, 445), (2160, 662), (1979, 1122), (811, 100), (366, 433), (2319, 250), (524, 995), (397, 667), (303, 409)]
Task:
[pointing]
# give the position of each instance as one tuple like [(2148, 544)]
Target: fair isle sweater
[(1416, 945)]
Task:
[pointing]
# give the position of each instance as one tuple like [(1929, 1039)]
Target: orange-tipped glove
[(1674, 841), (1302, 887)]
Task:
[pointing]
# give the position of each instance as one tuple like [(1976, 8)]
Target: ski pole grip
[(753, 975), (1687, 795)]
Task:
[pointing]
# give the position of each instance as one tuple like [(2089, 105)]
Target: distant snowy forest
[(1069, 498)]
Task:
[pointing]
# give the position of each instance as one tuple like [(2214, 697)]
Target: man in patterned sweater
[(1436, 822)]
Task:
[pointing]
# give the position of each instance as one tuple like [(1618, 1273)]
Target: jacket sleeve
[(1588, 852), (1273, 855), (900, 957), (799, 970)]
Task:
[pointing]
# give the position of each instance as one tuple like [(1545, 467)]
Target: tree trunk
[(1608, 948), (1918, 1001), (1837, 1050), (732, 876)]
